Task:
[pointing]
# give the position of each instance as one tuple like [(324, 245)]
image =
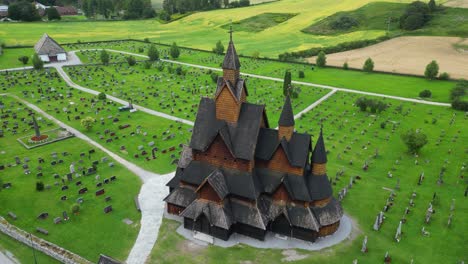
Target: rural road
[(151, 195)]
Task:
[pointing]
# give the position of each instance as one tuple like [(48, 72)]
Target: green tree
[(38, 64), (362, 102), (432, 5), (153, 53), (39, 186), (102, 96), (24, 59), (414, 140), (131, 60), (286, 83), (219, 48), (134, 9), (321, 60), (345, 66), (415, 16), (432, 69), (425, 94), (88, 122), (23, 10), (53, 14), (301, 74), (104, 57), (175, 52), (368, 65)]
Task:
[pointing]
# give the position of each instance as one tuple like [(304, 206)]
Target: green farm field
[(86, 231), (202, 30), (354, 137)]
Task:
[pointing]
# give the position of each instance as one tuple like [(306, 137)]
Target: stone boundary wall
[(42, 245)]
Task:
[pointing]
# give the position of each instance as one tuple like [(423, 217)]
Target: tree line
[(127, 9), (183, 6)]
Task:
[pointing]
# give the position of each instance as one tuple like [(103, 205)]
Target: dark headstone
[(100, 192), (108, 209)]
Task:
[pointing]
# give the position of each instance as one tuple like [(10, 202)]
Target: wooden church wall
[(219, 155), (279, 162), (226, 106)]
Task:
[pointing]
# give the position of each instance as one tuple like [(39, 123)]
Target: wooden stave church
[(239, 175)]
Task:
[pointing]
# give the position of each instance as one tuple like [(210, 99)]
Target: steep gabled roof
[(236, 89), (219, 215), (181, 197), (248, 214), (319, 187), (47, 46), (242, 136), (217, 182), (297, 148), (319, 155), (287, 116), (231, 60)]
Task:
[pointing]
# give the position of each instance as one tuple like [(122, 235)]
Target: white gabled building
[(49, 50)]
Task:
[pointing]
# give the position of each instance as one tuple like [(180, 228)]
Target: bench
[(42, 231)]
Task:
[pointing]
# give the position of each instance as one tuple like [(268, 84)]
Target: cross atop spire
[(230, 32)]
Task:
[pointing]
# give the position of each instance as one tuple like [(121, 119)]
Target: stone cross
[(36, 127), (364, 245), (398, 233)]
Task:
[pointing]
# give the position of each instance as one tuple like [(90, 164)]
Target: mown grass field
[(352, 135), (204, 29), (162, 89), (85, 232), (23, 253), (166, 134)]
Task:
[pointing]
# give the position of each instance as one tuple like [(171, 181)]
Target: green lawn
[(22, 252), (9, 58), (162, 89), (165, 135), (351, 135), (85, 232), (404, 86)]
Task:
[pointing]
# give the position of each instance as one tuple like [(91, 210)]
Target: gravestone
[(100, 192), (108, 209)]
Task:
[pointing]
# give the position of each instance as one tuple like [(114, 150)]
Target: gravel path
[(4, 259), (150, 197), (67, 79)]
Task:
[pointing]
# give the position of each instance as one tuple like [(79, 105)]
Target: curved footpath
[(150, 197)]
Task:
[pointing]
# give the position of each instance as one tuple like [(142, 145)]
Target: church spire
[(286, 120), (319, 156), (231, 64)]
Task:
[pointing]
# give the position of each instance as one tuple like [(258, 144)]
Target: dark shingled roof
[(217, 214), (238, 182), (303, 217), (47, 46), (236, 89), (231, 60), (287, 116), (242, 136), (294, 184), (217, 182), (181, 197), (247, 214), (330, 213), (319, 155), (296, 149), (103, 259), (319, 187), (174, 182)]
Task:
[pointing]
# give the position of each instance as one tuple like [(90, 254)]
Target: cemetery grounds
[(353, 139)]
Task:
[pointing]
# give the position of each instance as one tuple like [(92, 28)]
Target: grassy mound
[(260, 22), (385, 16)]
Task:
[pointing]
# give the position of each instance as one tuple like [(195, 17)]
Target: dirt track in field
[(457, 3), (409, 55)]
